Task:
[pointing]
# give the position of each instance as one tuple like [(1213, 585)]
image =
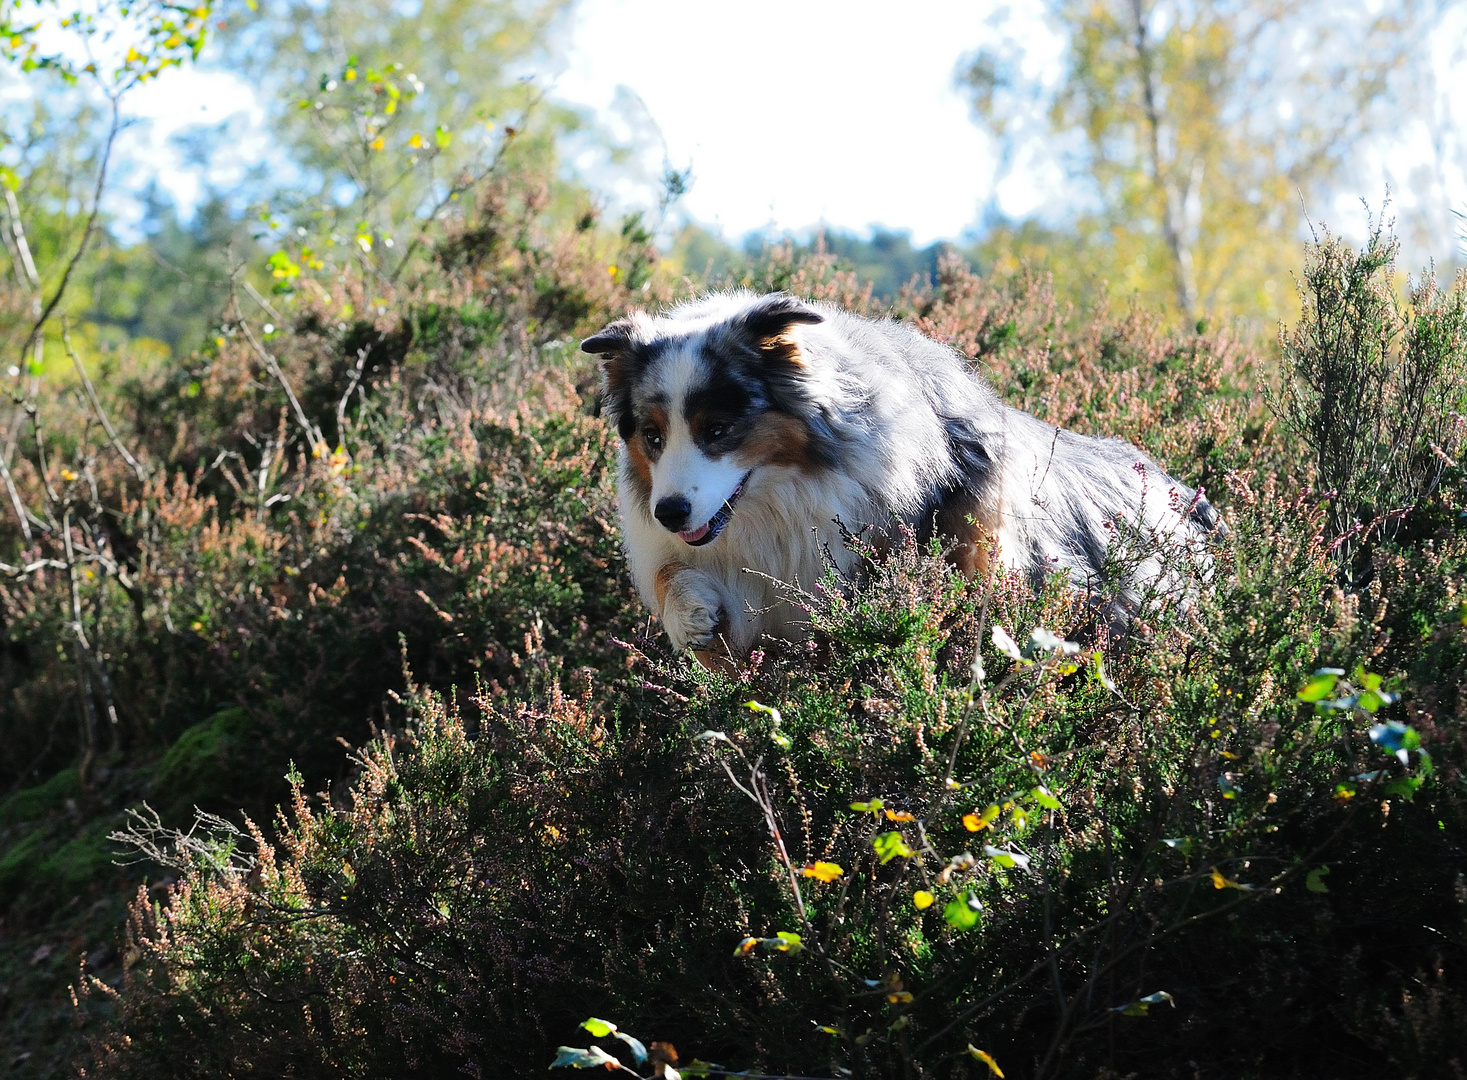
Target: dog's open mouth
[(709, 530)]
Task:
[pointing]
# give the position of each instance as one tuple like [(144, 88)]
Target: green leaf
[(873, 806), (962, 912), (573, 1057), (891, 845), (1406, 787), (442, 137), (754, 706), (1007, 859), (599, 1028), (1141, 1006), (1044, 798), (1314, 880), (1320, 685), (785, 941)]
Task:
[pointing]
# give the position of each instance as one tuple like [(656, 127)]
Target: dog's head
[(705, 399)]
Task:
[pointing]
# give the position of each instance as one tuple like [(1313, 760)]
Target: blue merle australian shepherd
[(759, 431)]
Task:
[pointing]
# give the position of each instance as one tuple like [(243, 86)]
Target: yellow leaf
[(922, 899), (899, 815), (67, 474), (746, 946), (899, 997), (416, 142), (823, 871), (987, 1060), (1220, 882), (979, 822), (133, 56), (375, 144)]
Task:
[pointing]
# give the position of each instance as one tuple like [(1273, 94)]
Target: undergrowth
[(959, 829)]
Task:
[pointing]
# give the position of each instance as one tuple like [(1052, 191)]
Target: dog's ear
[(616, 338), (619, 348), (768, 321)]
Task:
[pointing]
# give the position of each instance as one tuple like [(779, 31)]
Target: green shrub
[(1148, 856), (1135, 852)]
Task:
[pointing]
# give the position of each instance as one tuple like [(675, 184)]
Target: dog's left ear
[(768, 322)]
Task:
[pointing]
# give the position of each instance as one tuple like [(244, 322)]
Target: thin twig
[(133, 463), (91, 226)]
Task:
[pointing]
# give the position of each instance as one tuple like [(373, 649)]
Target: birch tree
[(1196, 133)]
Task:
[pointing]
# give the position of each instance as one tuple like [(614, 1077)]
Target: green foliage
[(1190, 132), (1376, 389), (960, 816)]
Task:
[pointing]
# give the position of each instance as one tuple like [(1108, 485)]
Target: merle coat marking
[(755, 428)]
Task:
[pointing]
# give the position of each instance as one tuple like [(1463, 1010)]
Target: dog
[(759, 433)]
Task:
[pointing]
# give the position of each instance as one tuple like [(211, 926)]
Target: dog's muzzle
[(709, 530)]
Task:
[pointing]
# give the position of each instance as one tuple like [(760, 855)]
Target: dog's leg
[(691, 608)]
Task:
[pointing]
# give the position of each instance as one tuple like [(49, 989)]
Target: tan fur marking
[(783, 347), (663, 581), (637, 455), (971, 528), (720, 658), (776, 440)]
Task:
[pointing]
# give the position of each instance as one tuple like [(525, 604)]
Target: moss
[(19, 864), (36, 802), (215, 764), (86, 859)]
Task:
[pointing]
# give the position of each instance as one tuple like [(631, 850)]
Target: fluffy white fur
[(831, 420)]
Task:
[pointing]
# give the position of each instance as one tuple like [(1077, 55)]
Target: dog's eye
[(717, 431), (653, 437)]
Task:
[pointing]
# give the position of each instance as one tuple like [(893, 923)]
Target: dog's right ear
[(615, 339), (618, 347)]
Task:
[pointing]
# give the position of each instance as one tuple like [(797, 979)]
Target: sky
[(789, 114)]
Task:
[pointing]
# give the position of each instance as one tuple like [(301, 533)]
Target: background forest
[(336, 741)]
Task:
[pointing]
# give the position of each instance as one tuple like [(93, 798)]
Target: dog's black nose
[(673, 512)]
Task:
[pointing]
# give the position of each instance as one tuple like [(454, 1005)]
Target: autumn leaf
[(987, 1060), (823, 871)]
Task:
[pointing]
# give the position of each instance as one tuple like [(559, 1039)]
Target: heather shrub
[(1071, 858), (1376, 388), (963, 819)]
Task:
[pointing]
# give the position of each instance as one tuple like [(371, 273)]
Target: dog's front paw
[(692, 609)]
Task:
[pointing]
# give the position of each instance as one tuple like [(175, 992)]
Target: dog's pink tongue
[(696, 535)]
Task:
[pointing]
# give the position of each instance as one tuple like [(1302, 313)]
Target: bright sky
[(791, 113), (834, 111)]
